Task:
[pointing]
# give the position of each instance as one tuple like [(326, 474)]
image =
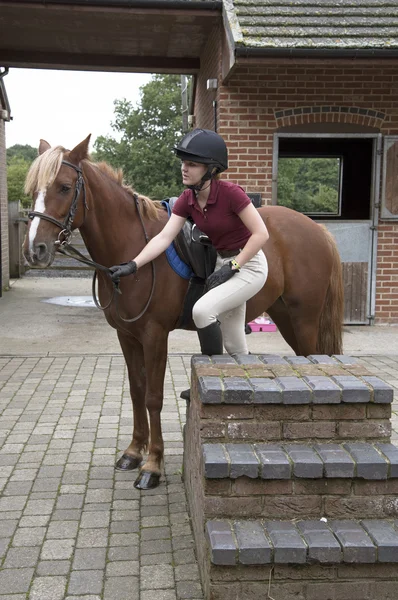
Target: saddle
[(195, 248)]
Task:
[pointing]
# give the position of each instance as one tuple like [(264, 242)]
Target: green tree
[(147, 135), (17, 170), (24, 152)]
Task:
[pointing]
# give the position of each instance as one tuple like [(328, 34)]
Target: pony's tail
[(331, 320)]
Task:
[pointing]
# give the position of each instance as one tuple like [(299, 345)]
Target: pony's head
[(56, 185)]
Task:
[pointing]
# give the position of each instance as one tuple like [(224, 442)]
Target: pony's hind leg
[(281, 317), (155, 351), (134, 357)]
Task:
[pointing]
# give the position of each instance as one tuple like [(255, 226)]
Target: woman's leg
[(227, 302)]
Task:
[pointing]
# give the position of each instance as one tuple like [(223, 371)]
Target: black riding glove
[(220, 276), (118, 271)]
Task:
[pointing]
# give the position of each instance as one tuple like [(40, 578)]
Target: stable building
[(4, 254)]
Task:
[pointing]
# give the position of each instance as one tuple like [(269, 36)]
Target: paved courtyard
[(70, 526)]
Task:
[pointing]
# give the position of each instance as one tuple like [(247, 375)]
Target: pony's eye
[(65, 189)]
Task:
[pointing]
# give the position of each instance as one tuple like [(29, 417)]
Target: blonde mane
[(45, 167)]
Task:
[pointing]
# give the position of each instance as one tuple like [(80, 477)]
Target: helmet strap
[(211, 172)]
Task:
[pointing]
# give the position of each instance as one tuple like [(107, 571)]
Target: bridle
[(66, 248), (66, 225)]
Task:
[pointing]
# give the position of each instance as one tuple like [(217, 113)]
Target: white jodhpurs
[(226, 303)]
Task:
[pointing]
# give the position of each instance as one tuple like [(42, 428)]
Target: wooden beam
[(95, 62)]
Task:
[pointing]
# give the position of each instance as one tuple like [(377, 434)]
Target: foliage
[(309, 185), (147, 135), (19, 159), (25, 152)]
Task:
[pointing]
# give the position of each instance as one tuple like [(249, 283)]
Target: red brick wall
[(257, 100)]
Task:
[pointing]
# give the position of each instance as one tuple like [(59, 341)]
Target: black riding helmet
[(206, 147)]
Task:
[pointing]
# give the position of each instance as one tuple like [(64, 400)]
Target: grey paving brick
[(159, 595), (85, 582), (29, 536), (21, 557), (383, 393), (345, 359), (89, 558), (385, 537), (123, 568), (297, 360), (92, 538), (154, 547), (120, 588), (391, 453), (323, 547), (324, 390), (62, 530), (266, 390), (272, 359), (353, 389), (53, 567), (369, 463), (253, 546), (237, 390), (248, 359), (306, 462), (210, 390), (287, 542), (216, 464), (243, 461), (356, 544), (189, 589), (7, 528), (321, 359), (15, 581), (222, 545), (48, 588), (156, 577), (336, 460), (294, 390), (57, 549), (274, 463)]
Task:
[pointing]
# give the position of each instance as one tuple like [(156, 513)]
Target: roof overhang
[(162, 36)]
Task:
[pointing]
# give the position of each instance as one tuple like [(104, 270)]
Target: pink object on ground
[(262, 324)]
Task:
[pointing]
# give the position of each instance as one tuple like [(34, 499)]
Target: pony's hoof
[(147, 480), (127, 463)]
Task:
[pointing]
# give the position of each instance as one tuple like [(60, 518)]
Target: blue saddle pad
[(175, 262)]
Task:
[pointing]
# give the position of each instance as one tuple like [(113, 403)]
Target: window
[(311, 185)]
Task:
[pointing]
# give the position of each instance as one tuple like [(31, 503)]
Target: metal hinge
[(373, 227)]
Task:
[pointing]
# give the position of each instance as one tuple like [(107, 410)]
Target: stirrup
[(186, 395)]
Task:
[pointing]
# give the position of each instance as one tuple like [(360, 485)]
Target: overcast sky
[(63, 107)]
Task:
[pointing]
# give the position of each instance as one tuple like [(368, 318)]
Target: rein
[(66, 248)]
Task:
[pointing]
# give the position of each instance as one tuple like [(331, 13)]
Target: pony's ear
[(80, 152), (43, 146)]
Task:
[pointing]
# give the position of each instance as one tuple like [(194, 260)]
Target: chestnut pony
[(303, 293)]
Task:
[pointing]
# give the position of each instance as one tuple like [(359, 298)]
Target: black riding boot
[(210, 339)]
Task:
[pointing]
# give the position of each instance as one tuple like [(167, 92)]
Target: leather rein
[(66, 248)]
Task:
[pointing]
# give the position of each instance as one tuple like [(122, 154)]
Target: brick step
[(265, 542), (289, 461), (270, 379)]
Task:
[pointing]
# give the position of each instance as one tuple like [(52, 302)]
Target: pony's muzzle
[(39, 255)]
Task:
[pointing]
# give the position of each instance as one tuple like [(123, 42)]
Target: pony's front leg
[(155, 352), (134, 357)]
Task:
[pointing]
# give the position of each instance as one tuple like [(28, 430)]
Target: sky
[(63, 107)]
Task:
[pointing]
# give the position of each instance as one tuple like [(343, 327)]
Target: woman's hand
[(123, 270), (220, 276)]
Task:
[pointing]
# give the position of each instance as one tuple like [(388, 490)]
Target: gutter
[(148, 4), (5, 112), (243, 52)]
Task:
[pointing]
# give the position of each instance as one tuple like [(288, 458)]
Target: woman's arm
[(161, 241), (156, 246), (259, 234)]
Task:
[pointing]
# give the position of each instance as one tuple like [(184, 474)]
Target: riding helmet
[(203, 146)]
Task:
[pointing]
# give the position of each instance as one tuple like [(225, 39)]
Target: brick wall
[(257, 100), (3, 207)]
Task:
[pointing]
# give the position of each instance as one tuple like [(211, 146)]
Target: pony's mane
[(45, 167)]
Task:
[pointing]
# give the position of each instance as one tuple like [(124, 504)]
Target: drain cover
[(85, 301)]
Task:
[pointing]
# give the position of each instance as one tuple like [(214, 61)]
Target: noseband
[(66, 225)]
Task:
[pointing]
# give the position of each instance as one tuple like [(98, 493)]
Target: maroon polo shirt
[(219, 219)]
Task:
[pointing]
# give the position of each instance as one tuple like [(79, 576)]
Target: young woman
[(225, 213)]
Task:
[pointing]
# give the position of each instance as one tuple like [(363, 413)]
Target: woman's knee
[(201, 316)]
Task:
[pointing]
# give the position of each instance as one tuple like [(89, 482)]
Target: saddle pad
[(179, 266)]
